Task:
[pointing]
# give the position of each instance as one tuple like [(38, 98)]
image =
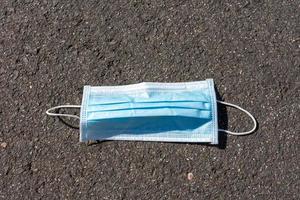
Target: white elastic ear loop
[(245, 111), (48, 112)]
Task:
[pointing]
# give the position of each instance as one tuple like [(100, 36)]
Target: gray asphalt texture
[(50, 49)]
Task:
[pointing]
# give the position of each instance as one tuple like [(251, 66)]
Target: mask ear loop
[(243, 110), (50, 113)]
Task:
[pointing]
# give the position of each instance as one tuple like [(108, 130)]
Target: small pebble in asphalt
[(3, 144), (190, 176)]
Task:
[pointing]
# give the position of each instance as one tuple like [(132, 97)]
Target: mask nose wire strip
[(50, 113), (243, 110)]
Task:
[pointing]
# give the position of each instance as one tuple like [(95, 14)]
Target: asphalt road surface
[(50, 49)]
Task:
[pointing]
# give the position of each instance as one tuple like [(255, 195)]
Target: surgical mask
[(165, 112)]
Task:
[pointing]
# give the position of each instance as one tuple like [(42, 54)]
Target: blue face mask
[(167, 112)]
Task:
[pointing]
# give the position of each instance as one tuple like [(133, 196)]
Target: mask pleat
[(151, 112), (148, 105), (147, 124), (148, 97)]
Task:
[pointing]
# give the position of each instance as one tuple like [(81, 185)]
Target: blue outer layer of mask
[(170, 112)]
